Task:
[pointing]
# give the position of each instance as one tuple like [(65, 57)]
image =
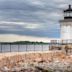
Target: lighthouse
[(66, 25)]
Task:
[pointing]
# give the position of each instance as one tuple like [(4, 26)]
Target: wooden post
[(66, 49), (34, 47), (18, 47), (42, 47), (26, 47), (10, 47), (1, 47)]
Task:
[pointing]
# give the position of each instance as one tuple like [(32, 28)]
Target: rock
[(5, 69), (36, 62)]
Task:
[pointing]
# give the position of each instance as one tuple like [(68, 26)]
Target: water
[(23, 48)]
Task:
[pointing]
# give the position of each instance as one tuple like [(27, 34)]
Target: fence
[(23, 47), (28, 47)]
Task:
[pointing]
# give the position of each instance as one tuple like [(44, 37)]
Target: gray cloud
[(46, 13)]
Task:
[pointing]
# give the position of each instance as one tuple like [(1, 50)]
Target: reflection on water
[(22, 48)]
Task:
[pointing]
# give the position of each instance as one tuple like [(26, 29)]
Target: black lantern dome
[(68, 13)]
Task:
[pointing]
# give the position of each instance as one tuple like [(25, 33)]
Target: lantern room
[(68, 13)]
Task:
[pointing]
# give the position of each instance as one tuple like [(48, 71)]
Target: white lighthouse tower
[(66, 25)]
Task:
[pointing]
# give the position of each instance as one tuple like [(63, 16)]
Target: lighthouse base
[(62, 45)]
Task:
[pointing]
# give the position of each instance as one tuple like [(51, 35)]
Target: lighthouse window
[(68, 14), (65, 14), (71, 14)]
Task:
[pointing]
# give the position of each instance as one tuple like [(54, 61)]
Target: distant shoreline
[(24, 42)]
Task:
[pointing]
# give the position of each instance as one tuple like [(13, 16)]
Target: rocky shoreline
[(51, 61)]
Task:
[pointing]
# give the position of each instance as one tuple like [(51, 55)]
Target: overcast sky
[(31, 18)]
